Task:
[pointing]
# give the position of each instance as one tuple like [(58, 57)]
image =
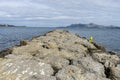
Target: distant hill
[(8, 25), (91, 25)]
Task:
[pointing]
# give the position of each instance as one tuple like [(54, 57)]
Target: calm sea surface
[(12, 36), (110, 38)]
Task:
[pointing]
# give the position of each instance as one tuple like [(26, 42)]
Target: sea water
[(110, 38), (11, 36)]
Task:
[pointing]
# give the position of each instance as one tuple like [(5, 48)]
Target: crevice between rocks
[(70, 61), (107, 72), (55, 71)]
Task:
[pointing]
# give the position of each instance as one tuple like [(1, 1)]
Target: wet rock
[(5, 52), (112, 52), (99, 46), (23, 42)]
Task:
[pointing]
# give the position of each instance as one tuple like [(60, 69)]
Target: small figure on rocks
[(91, 39)]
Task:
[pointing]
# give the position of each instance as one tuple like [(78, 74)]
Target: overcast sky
[(46, 13)]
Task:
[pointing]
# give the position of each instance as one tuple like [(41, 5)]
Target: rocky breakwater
[(58, 55)]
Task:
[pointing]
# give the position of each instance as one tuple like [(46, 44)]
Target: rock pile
[(58, 55)]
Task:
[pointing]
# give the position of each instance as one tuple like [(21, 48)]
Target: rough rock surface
[(58, 55)]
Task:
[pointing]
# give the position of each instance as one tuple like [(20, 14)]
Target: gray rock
[(115, 72), (75, 73), (106, 59), (69, 73), (56, 62), (90, 65), (18, 69)]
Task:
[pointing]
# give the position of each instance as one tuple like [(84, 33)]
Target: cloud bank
[(46, 13)]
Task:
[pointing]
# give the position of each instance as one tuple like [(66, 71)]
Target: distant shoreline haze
[(8, 25), (79, 25), (90, 25)]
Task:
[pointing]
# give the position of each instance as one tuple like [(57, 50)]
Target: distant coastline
[(8, 25), (91, 25)]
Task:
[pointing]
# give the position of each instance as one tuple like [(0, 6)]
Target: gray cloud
[(59, 12)]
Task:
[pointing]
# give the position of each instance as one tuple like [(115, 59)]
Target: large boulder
[(107, 59), (56, 62), (115, 72), (90, 65), (18, 69), (76, 73)]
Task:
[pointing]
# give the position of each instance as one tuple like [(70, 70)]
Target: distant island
[(91, 25), (8, 25)]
